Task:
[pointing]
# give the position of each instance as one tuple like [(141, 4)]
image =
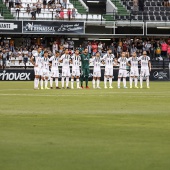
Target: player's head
[(134, 54), (144, 53), (109, 51), (39, 49), (66, 51), (77, 51), (123, 54), (57, 53), (97, 54), (85, 50), (46, 54)]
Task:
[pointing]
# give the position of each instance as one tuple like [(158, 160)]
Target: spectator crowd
[(59, 7), (156, 48)]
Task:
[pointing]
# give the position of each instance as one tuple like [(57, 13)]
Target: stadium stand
[(4, 11), (47, 13), (153, 11)]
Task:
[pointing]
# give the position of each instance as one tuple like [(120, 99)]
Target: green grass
[(107, 129)]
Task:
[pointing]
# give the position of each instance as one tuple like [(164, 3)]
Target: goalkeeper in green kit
[(85, 60)]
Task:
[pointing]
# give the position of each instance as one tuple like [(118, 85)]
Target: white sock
[(56, 82), (72, 82), (94, 83), (98, 82), (46, 82), (105, 81), (147, 81), (131, 80), (51, 82), (141, 81), (78, 83), (35, 83), (136, 81), (41, 83), (110, 81), (67, 81), (62, 81), (124, 81), (118, 82)]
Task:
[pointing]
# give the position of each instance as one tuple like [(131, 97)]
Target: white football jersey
[(122, 63), (55, 62), (66, 61), (134, 62), (76, 61), (97, 63), (144, 62), (45, 63), (38, 61), (109, 60)]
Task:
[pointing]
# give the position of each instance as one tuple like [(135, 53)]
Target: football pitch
[(106, 129)]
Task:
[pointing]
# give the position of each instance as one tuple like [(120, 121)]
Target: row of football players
[(42, 66)]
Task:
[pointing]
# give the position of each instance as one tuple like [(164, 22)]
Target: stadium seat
[(158, 17), (152, 17)]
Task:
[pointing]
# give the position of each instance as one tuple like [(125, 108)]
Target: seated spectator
[(166, 3), (119, 50), (135, 5), (69, 13), (11, 3), (61, 48), (164, 47), (44, 3), (29, 53), (25, 56), (100, 47), (38, 5), (3, 57), (133, 49), (18, 4), (168, 51), (73, 13), (50, 3), (94, 48), (57, 15), (20, 58), (127, 55), (152, 52), (65, 45), (141, 5), (58, 7), (28, 9), (62, 14), (64, 4), (158, 51), (33, 11)]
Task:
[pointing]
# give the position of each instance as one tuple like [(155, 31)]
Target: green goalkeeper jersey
[(85, 61)]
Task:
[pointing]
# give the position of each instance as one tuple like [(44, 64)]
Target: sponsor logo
[(160, 75), (8, 26), (14, 76), (71, 27), (38, 27)]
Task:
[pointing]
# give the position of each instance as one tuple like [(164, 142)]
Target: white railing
[(84, 5), (110, 7)]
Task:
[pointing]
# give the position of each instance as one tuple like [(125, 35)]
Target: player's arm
[(61, 59), (103, 59), (149, 63), (128, 63), (115, 62), (32, 60)]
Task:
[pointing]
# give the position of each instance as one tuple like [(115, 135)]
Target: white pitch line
[(67, 95)]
